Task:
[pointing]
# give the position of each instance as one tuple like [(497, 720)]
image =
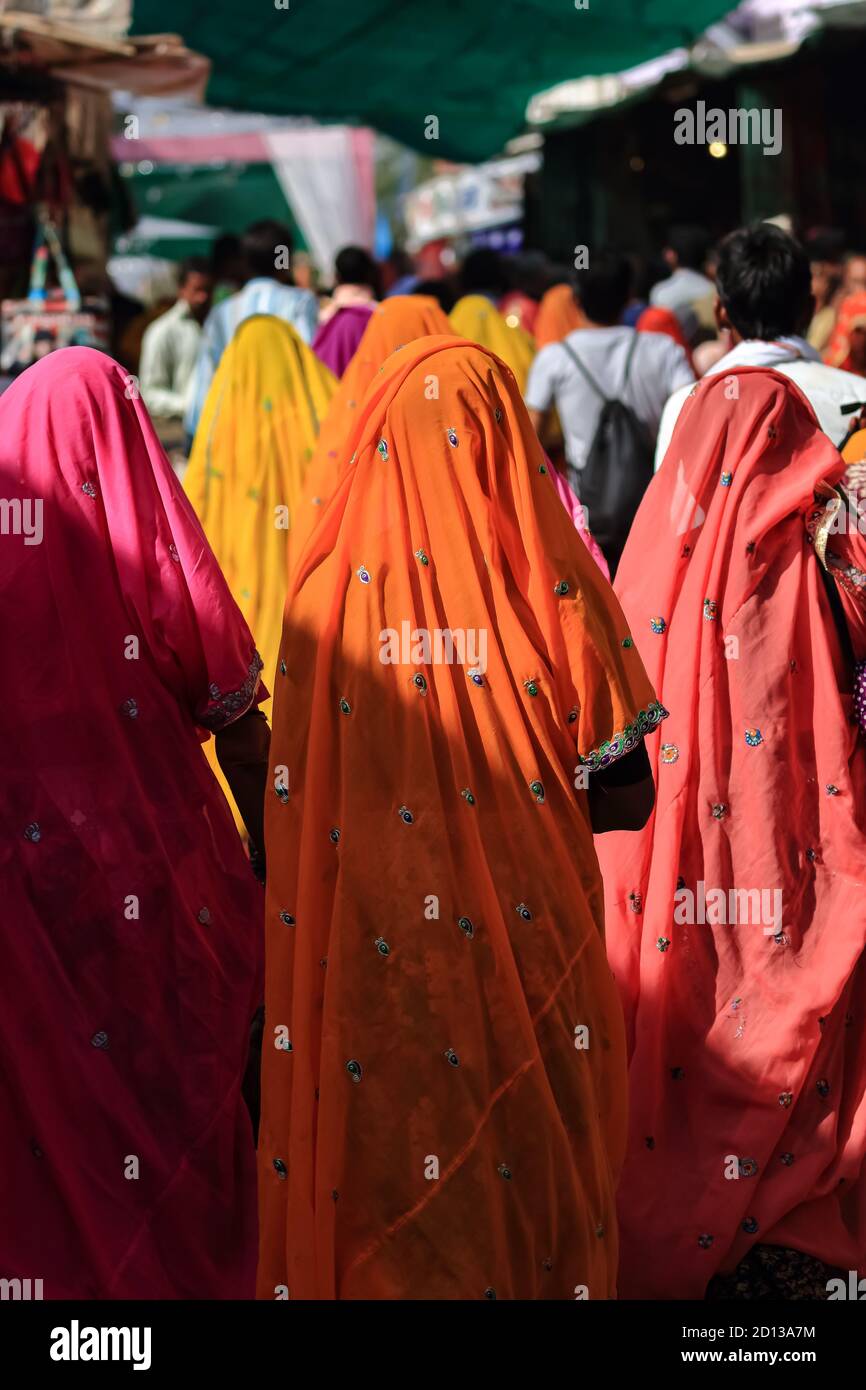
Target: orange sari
[(398, 320), (558, 315), (434, 1123)]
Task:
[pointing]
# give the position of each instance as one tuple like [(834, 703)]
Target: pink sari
[(131, 941), (337, 339), (570, 500), (746, 1016)]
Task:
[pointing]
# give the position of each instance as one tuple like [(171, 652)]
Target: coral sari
[(252, 449), (745, 1016), (475, 317), (433, 1126), (131, 929), (655, 319)]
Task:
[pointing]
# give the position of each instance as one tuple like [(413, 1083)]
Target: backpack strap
[(583, 371), (631, 352), (591, 381)]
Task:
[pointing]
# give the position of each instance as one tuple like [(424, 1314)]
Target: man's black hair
[(604, 287), (763, 280), (826, 244), (355, 266), (259, 246), (441, 290), (690, 243), (483, 272), (226, 248), (193, 265)]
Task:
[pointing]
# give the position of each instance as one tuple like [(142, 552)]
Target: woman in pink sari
[(736, 920), (131, 943), (337, 339)]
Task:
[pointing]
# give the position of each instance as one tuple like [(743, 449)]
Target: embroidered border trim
[(819, 522), (622, 743), (848, 577), (223, 709)]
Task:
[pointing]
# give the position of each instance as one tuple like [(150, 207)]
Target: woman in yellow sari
[(252, 449), (477, 318)]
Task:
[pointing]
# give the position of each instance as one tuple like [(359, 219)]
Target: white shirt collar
[(755, 352)]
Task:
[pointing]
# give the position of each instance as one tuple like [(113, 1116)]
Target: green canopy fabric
[(228, 198), (393, 64)]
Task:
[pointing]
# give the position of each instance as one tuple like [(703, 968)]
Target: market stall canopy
[(228, 168), (452, 78), (146, 66), (757, 32)]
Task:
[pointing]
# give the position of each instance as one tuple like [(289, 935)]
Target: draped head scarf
[(735, 919), (251, 453), (131, 938), (658, 320), (558, 315), (443, 1106), (398, 320)]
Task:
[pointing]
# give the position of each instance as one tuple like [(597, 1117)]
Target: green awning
[(228, 198), (393, 64)]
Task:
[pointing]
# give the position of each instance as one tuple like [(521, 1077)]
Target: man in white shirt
[(763, 284), (266, 248), (170, 344), (605, 349), (687, 288)]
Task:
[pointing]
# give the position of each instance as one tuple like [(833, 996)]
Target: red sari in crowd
[(842, 351), (746, 1021), (131, 954)]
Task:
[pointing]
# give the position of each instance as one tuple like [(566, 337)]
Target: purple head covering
[(335, 341)]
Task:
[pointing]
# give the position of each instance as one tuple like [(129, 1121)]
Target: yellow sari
[(254, 441), (478, 319)]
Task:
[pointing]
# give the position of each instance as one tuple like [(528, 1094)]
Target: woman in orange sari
[(443, 1107), (736, 921), (400, 319), (558, 315)]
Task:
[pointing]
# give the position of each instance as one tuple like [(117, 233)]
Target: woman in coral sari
[(131, 935), (736, 922), (443, 1104), (252, 449)]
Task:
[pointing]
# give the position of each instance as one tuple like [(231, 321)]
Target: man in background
[(170, 344), (356, 282), (687, 291), (266, 248), (228, 266), (763, 283), (604, 360)]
